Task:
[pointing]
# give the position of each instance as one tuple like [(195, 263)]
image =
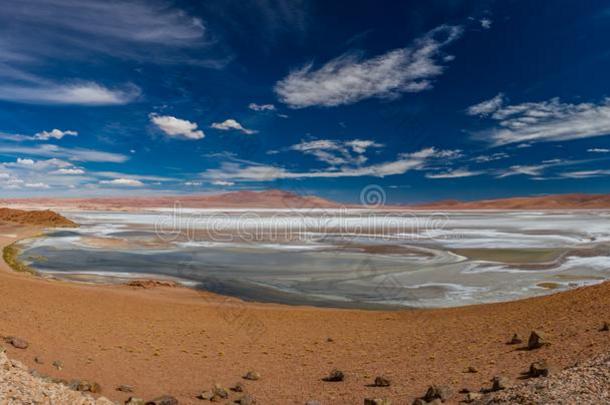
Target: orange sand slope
[(170, 340)]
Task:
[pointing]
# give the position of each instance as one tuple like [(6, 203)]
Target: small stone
[(441, 392), (163, 400), (38, 360), (85, 386), (125, 388), (219, 393), (498, 383), (472, 369), (536, 340), (605, 327), (17, 342), (515, 340), (377, 401), (330, 340), (252, 376), (134, 401), (381, 381), (335, 376), (419, 401), (538, 369), (472, 396), (239, 387), (246, 400), (58, 364), (313, 402), (206, 395)]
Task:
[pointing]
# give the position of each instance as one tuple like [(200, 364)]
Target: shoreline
[(179, 341)]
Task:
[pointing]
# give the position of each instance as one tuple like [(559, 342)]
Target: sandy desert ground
[(177, 341)]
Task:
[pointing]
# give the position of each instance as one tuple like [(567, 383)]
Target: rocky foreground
[(587, 383), (19, 386), (44, 218)]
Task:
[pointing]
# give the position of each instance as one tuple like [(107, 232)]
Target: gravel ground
[(18, 386), (586, 383)]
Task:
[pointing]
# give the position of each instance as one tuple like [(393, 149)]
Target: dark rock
[(335, 376), (377, 401), (538, 369), (163, 400), (441, 392), (135, 401), (499, 383), (125, 388), (381, 381), (239, 387), (252, 376), (515, 340), (472, 369), (219, 393), (419, 401), (246, 400), (536, 340), (58, 364), (16, 342), (38, 360), (605, 327)]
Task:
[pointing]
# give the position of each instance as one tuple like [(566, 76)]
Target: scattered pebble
[(472, 369), (246, 400), (605, 327), (252, 376), (515, 340), (163, 400), (135, 401), (38, 360), (16, 342), (335, 376), (125, 388), (377, 401), (499, 383), (538, 369), (58, 364), (381, 381), (441, 392)]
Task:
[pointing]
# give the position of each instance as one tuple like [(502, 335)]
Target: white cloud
[(123, 182), (86, 93), (486, 23), (223, 183), (231, 124), (36, 185), (261, 107), (193, 183), (454, 174), (25, 162), (176, 127), (54, 134), (349, 78), (547, 121), (486, 107), (598, 150), (70, 171), (235, 171)]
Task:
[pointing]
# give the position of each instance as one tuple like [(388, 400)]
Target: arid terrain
[(165, 340)]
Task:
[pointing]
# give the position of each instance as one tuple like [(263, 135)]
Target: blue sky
[(428, 100)]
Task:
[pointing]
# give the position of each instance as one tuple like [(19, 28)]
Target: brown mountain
[(548, 202)]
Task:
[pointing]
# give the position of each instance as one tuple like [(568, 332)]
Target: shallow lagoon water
[(342, 258)]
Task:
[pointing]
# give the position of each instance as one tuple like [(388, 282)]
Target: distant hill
[(548, 202), (239, 199), (45, 218)]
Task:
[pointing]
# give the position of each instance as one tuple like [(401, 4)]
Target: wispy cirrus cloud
[(544, 121), (336, 153), (253, 172), (54, 151), (455, 174), (350, 78)]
